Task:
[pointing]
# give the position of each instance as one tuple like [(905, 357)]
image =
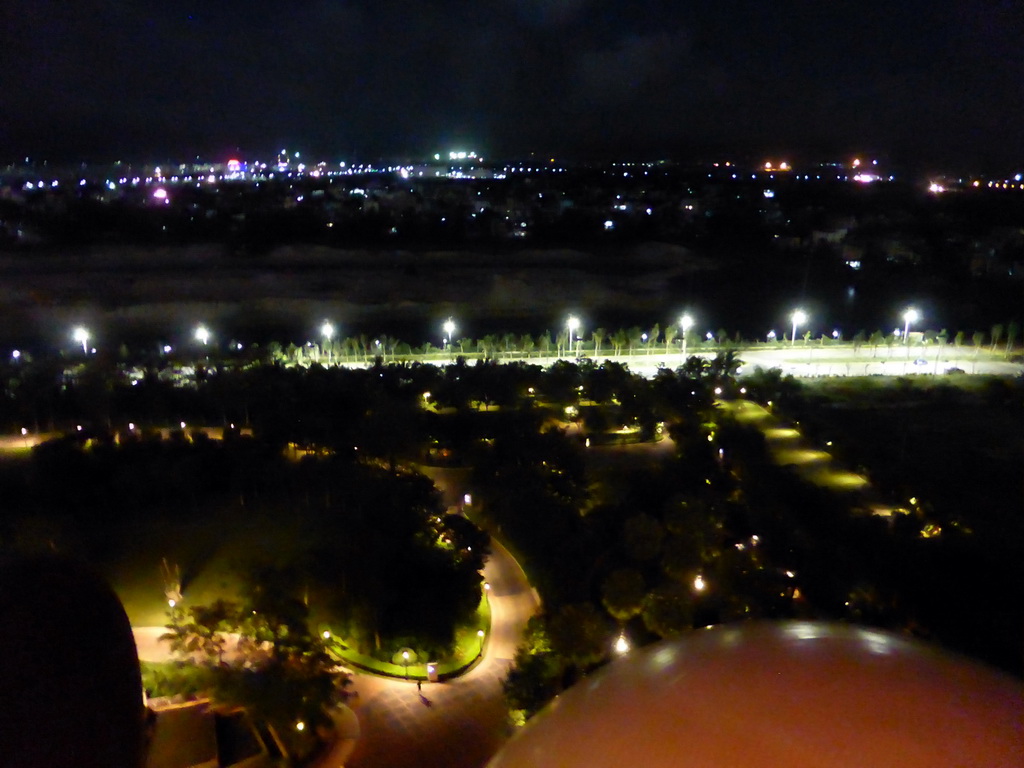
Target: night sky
[(928, 82)]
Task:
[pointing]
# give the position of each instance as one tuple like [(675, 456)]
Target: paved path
[(456, 724), (459, 723)]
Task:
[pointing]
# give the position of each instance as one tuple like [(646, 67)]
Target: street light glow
[(572, 325), (622, 645), (911, 315), (685, 324), (202, 335), (327, 330), (82, 337), (449, 329), (799, 317)]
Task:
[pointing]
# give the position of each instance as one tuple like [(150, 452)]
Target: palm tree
[(670, 336), (597, 336), (619, 339), (526, 344)]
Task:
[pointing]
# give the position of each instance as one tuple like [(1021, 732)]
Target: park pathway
[(455, 724)]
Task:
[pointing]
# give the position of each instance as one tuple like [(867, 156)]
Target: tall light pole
[(202, 335), (480, 637), (82, 337), (572, 325), (449, 329), (685, 324), (799, 317), (328, 333), (911, 315)]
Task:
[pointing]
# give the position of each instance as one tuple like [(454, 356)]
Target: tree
[(642, 537), (668, 610), (877, 339), (1012, 332), (997, 334), (619, 340), (622, 593), (598, 336), (579, 634), (671, 332), (526, 343)]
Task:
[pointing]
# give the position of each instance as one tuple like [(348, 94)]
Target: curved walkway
[(459, 723)]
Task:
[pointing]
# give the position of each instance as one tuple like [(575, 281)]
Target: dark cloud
[(363, 77)]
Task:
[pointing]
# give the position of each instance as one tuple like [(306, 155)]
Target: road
[(802, 360)]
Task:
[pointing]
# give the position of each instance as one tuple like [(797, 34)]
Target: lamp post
[(480, 637), (202, 335), (799, 317), (449, 329), (685, 324), (911, 315), (327, 330), (572, 325), (81, 335), (405, 661)]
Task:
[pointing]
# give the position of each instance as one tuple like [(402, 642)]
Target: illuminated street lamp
[(405, 661), (572, 325), (449, 329), (799, 317), (685, 324), (911, 315), (327, 331), (480, 637), (82, 337), (202, 335)]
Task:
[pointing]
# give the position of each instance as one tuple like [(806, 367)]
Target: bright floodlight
[(202, 334), (327, 330), (685, 323), (911, 315), (799, 317), (573, 323), (82, 337), (449, 327)]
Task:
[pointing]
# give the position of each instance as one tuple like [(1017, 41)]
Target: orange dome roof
[(793, 694)]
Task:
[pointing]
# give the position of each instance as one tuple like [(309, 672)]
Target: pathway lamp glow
[(405, 661), (480, 637), (911, 315), (622, 645), (685, 324), (799, 317), (82, 337)]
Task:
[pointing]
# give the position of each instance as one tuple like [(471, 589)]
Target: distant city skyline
[(929, 84)]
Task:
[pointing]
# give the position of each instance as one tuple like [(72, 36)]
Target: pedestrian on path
[(419, 685)]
